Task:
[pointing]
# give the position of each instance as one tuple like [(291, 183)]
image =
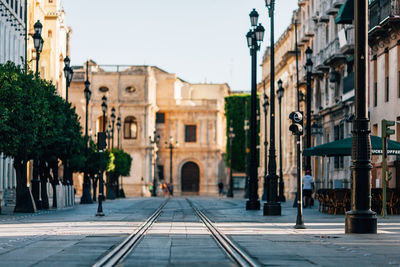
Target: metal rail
[(235, 252), (117, 255)]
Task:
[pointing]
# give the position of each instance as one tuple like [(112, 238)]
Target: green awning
[(343, 148), (346, 13)]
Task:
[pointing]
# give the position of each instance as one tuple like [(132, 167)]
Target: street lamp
[(272, 207), (86, 198), (171, 147), (279, 92), (112, 129), (231, 135), (118, 129), (38, 42), (254, 38), (153, 144), (109, 135), (68, 73), (361, 219), (101, 138), (308, 67), (265, 106)]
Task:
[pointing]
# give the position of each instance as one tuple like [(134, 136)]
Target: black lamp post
[(265, 106), (68, 73), (112, 128), (361, 219), (118, 129), (109, 135), (308, 67), (231, 135), (86, 198), (38, 42), (272, 207), (254, 38), (279, 92), (101, 182), (171, 147), (153, 143)]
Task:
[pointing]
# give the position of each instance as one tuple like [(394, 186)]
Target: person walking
[(220, 189), (308, 188)]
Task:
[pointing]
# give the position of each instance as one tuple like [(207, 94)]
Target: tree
[(121, 166)]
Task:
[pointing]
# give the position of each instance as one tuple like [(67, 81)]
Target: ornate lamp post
[(171, 147), (118, 129), (112, 128), (153, 143), (308, 67), (109, 135), (254, 38), (86, 198), (231, 137), (68, 73), (38, 42), (101, 138), (265, 106), (361, 219), (272, 207), (279, 92)]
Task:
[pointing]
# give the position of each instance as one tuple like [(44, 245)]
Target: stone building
[(12, 48), (154, 103), (384, 79), (56, 36)]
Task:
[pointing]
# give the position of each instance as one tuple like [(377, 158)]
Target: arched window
[(103, 89), (130, 128), (130, 89)]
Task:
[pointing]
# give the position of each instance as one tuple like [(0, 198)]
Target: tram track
[(117, 256)]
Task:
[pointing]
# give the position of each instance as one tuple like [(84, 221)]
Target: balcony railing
[(380, 10), (347, 41), (333, 53)]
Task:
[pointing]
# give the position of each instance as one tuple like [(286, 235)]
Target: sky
[(200, 41)]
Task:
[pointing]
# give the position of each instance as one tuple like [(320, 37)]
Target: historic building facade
[(153, 103), (384, 79)]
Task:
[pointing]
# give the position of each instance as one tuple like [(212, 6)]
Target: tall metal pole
[(281, 196), (299, 196), (272, 207), (265, 105), (86, 197), (246, 155), (308, 113), (230, 135), (361, 219), (253, 203)]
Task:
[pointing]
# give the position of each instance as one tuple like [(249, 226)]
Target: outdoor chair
[(392, 200), (340, 200), (320, 197), (376, 200)]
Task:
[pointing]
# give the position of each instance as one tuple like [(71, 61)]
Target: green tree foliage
[(36, 123), (121, 163), (237, 110)]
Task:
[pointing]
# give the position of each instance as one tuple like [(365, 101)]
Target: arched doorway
[(190, 176)]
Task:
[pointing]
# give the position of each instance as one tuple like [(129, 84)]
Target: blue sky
[(198, 40)]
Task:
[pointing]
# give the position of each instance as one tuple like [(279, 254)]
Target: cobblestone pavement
[(76, 237)]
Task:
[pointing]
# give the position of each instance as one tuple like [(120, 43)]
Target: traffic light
[(297, 123), (386, 130)]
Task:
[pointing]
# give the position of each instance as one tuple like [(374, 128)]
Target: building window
[(327, 91), (130, 89), (160, 172), (375, 94), (190, 133), (160, 117), (130, 128), (387, 90), (103, 89)]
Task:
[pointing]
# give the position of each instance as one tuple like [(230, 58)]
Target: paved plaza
[(75, 237)]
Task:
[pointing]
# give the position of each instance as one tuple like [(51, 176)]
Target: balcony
[(303, 36), (347, 40), (310, 27), (333, 54), (382, 11), (338, 3), (319, 61), (324, 17), (332, 10)]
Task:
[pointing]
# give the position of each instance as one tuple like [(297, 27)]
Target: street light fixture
[(280, 92), (101, 139), (112, 129), (272, 207), (254, 38), (68, 73), (265, 106), (86, 198), (153, 143), (308, 67), (231, 136), (171, 147), (38, 42), (118, 129)]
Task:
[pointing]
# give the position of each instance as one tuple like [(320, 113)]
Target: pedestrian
[(308, 188), (220, 189)]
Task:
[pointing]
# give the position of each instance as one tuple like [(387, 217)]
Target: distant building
[(384, 79), (151, 102)]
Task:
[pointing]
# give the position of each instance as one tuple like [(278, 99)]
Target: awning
[(343, 148), (346, 13)]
